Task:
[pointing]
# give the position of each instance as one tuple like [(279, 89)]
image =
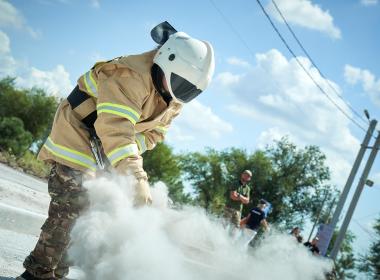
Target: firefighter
[(119, 109)]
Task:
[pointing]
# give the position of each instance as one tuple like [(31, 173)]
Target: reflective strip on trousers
[(140, 140), (119, 110), (90, 84), (70, 155), (122, 152)]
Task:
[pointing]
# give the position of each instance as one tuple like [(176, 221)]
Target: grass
[(27, 163)]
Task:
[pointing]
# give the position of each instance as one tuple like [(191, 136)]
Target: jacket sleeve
[(148, 140), (121, 96)]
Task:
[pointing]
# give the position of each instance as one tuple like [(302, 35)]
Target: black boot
[(28, 276)]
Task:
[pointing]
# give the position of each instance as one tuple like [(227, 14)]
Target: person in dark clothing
[(299, 239), (253, 221), (296, 232), (313, 246)]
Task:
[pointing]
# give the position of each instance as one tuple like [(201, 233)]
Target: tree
[(32, 106), (292, 179), (298, 182), (162, 165), (13, 136), (370, 263), (207, 173), (345, 263)]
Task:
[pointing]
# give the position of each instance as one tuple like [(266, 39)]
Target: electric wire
[(314, 64), (370, 215), (229, 23), (236, 32), (304, 69), (364, 229)]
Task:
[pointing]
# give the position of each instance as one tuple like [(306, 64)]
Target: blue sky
[(258, 94)]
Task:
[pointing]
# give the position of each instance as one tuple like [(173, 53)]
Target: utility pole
[(356, 197), (351, 177), (319, 214), (330, 210)]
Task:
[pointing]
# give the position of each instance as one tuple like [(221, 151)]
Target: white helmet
[(188, 65)]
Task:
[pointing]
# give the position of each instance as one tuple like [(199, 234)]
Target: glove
[(142, 194)]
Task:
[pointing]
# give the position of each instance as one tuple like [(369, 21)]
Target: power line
[(290, 50), (236, 32), (233, 29), (364, 229), (370, 215), (313, 63), (305, 70)]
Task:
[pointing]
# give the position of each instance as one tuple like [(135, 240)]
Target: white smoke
[(115, 241)]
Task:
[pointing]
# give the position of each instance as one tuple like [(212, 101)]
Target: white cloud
[(270, 135), (35, 34), (238, 62), (198, 121), (306, 14), (11, 17), (288, 102), (95, 4), (8, 64), (369, 2), (227, 78), (371, 85), (56, 81), (4, 43)]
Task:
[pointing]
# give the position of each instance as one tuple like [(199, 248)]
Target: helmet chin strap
[(157, 76)]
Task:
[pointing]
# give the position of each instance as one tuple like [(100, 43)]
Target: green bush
[(33, 106), (30, 164), (13, 136)]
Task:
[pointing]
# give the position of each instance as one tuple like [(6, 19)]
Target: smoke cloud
[(113, 240)]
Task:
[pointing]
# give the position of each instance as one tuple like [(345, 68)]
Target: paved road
[(11, 175), (23, 208)]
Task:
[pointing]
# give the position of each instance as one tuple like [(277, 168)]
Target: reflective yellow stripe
[(90, 84), (70, 155), (122, 152), (140, 140), (120, 110), (161, 129)]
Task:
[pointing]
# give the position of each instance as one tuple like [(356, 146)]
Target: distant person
[(296, 232), (313, 246), (237, 196), (299, 239), (253, 221)]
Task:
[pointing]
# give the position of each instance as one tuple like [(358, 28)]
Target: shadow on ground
[(6, 278)]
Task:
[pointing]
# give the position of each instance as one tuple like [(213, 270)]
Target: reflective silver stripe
[(120, 110), (70, 155), (140, 140), (122, 152), (90, 84)]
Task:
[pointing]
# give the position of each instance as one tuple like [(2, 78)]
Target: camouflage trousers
[(233, 216), (49, 258)]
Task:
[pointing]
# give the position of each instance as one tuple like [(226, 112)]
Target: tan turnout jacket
[(131, 117)]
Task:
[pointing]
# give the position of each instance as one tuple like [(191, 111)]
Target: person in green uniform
[(237, 196)]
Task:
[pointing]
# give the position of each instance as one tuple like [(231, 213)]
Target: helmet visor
[(182, 89)]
